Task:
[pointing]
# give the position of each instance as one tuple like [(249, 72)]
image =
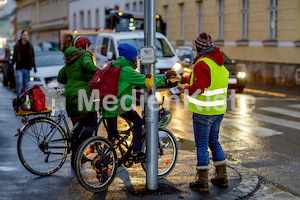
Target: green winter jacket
[(128, 78), (76, 74)]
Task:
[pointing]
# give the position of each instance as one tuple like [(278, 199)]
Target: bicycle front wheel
[(167, 152), (96, 164), (42, 146)]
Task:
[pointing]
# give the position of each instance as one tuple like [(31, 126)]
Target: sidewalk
[(130, 183)]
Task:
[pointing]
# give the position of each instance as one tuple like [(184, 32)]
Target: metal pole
[(152, 143), (152, 104)]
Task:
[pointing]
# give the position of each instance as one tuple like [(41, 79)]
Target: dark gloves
[(169, 74)]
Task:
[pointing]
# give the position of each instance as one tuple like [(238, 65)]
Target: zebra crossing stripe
[(250, 128), (295, 106), (276, 121), (282, 111)]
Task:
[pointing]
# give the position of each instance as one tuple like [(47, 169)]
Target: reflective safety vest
[(213, 100)]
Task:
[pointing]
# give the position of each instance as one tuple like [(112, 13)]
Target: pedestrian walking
[(206, 98), (24, 59), (76, 75)]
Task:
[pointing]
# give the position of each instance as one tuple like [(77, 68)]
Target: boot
[(201, 182), (221, 178), (74, 147), (76, 144)]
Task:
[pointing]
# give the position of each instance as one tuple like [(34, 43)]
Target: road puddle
[(184, 144), (229, 157)]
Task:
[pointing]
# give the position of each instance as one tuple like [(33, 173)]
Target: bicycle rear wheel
[(37, 153), (100, 166), (167, 152)]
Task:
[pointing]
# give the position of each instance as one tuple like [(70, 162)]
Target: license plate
[(232, 81)]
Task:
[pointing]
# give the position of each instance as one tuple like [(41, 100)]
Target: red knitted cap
[(203, 41), (80, 42)]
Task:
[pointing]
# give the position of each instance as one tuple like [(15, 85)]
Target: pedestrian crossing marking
[(250, 128), (282, 111), (295, 106), (7, 168), (276, 121)]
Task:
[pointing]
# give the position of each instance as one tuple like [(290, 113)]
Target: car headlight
[(34, 79), (177, 66), (241, 75)]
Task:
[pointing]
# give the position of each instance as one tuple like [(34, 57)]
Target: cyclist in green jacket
[(77, 74), (128, 59)]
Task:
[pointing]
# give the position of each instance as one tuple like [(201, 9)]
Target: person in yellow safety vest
[(206, 97)]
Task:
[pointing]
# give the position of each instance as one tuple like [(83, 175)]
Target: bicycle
[(50, 141), (43, 141), (102, 158)]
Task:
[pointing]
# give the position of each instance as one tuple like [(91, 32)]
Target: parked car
[(107, 43), (48, 65), (49, 46), (7, 67), (237, 72), (37, 49)]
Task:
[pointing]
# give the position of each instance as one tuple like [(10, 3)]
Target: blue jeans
[(206, 131), (22, 78)]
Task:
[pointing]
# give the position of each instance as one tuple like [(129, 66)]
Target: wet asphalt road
[(259, 131), (261, 134)]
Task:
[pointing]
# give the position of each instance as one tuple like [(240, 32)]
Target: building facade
[(262, 34), (92, 14), (43, 19)]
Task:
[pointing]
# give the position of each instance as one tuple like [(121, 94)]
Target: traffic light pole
[(152, 104)]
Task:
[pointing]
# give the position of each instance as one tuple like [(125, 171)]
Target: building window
[(244, 19), (273, 20), (97, 19), (141, 5), (74, 21), (166, 18), (81, 20), (220, 19), (200, 17), (181, 21), (134, 6), (89, 19), (127, 6)]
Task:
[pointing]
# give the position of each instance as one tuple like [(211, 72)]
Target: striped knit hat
[(203, 41)]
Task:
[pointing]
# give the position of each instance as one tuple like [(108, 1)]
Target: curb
[(249, 182), (271, 93)]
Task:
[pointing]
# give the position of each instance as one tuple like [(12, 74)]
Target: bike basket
[(31, 101)]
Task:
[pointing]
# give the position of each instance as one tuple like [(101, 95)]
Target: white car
[(107, 50), (48, 65)]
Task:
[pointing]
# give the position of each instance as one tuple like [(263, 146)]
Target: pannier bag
[(32, 100)]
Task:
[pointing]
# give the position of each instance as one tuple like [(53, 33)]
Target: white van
[(106, 50)]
